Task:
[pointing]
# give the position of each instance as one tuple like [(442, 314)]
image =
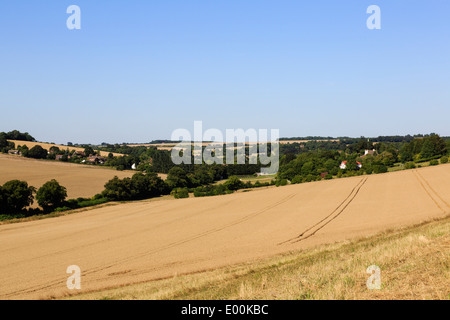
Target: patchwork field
[(80, 180), (152, 240)]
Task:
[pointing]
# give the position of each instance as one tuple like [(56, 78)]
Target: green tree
[(180, 193), (16, 195), (118, 190), (88, 150), (434, 162), (3, 144), (307, 168), (37, 152), (406, 153), (427, 149), (177, 178), (379, 168), (234, 183), (147, 186), (410, 165), (51, 194), (55, 149)]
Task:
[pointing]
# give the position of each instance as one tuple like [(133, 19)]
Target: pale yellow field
[(143, 241), (80, 180), (47, 146), (169, 146)]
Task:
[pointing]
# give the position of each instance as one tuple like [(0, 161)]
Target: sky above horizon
[(138, 70)]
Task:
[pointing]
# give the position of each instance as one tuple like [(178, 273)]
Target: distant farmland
[(47, 146), (80, 180)]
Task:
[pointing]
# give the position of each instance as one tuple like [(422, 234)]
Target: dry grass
[(414, 262)]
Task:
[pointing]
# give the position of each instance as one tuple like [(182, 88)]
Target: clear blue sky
[(137, 70)]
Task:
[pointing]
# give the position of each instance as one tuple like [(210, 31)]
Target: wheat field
[(146, 241), (79, 180)]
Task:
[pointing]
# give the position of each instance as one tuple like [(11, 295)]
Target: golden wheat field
[(151, 240), (79, 180), (47, 146)]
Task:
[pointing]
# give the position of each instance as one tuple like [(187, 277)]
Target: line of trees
[(17, 135), (16, 196)]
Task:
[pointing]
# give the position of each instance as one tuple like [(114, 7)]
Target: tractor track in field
[(156, 250), (430, 191), (330, 217)]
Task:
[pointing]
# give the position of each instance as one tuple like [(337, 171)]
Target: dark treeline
[(16, 135), (407, 138)]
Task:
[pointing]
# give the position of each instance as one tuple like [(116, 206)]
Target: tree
[(2, 201), (37, 152), (15, 196), (234, 183), (180, 193), (88, 150), (17, 135), (307, 168), (176, 178), (427, 149), (51, 194), (54, 149), (432, 146), (139, 187), (380, 168), (434, 162), (406, 153), (147, 186), (410, 165), (118, 190), (3, 143)]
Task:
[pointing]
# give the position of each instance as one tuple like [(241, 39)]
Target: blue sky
[(137, 70)]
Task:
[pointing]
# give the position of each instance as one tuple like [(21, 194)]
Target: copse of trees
[(17, 135), (140, 186), (15, 196), (37, 152), (234, 183), (51, 195), (423, 149)]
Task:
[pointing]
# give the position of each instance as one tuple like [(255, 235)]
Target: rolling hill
[(149, 240)]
